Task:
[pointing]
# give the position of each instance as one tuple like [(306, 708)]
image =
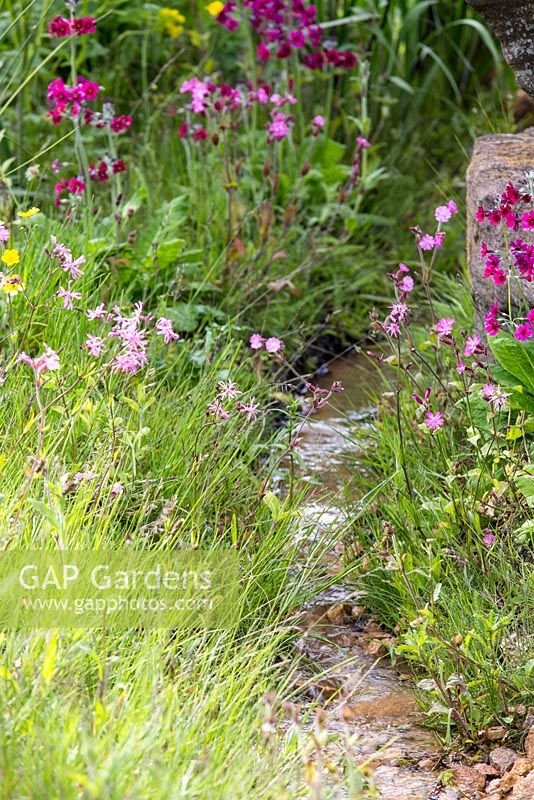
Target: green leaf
[(515, 357)]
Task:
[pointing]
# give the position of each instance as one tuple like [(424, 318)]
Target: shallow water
[(349, 670)]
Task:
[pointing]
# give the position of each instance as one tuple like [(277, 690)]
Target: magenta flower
[(444, 327), (523, 332), (164, 328), (319, 121), (460, 367), (434, 420), (59, 27), (527, 220), (362, 143), (273, 345), (453, 208), (84, 26)]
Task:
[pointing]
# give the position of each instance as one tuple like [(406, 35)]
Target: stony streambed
[(349, 672)]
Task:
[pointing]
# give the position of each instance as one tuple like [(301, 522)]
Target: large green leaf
[(515, 357)]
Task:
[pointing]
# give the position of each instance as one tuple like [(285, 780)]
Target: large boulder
[(512, 21), (497, 160)]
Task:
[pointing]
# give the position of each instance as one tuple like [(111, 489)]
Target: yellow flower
[(172, 21), (11, 284), (29, 213), (215, 8), (11, 257)]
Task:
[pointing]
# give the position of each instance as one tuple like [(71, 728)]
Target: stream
[(363, 696)]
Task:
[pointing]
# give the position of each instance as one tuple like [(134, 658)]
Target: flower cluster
[(511, 212), (284, 27), (72, 102), (508, 210), (171, 21), (225, 104), (69, 100), (60, 27), (228, 391), (48, 361), (272, 345)]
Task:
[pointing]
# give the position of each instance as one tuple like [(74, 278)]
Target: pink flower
[(85, 476), (406, 284), (46, 362), (523, 332), (434, 420), (97, 313), (250, 409), (256, 341), (68, 297), (4, 233), (215, 409), (443, 213), (228, 390), (488, 391), (527, 220), (362, 143), (273, 345), (444, 327), (460, 367), (453, 208), (117, 489), (95, 345), (279, 127), (426, 242), (472, 345), (530, 316), (319, 121), (489, 538), (164, 328)]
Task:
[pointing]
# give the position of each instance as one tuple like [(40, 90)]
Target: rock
[(468, 778), (521, 767), (513, 24), (524, 788), (496, 734), (487, 769), (493, 796), (493, 786), (496, 160), (336, 614), (503, 758), (529, 744), (357, 611)]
